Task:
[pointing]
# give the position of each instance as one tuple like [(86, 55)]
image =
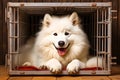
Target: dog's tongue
[(61, 51)]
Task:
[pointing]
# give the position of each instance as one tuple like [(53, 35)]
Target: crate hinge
[(114, 11), (113, 58)]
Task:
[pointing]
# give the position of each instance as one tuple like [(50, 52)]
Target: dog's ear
[(74, 18), (47, 19)]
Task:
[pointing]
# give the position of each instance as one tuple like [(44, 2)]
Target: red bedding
[(32, 68)]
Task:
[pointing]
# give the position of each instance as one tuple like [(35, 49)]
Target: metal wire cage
[(23, 21)]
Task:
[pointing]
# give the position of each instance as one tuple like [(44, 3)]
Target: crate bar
[(98, 72), (9, 31), (109, 29), (10, 62), (60, 4), (102, 42), (94, 37), (16, 22), (97, 39), (18, 31), (9, 39), (105, 25), (13, 30), (109, 39), (105, 22), (10, 42), (104, 38)]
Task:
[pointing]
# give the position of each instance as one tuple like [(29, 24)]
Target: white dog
[(60, 43)]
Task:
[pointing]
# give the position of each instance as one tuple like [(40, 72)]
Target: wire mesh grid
[(96, 19)]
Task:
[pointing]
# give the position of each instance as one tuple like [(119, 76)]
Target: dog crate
[(23, 20)]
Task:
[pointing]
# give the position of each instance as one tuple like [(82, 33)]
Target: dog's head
[(61, 29)]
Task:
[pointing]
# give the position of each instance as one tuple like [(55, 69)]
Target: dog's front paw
[(42, 66), (74, 66), (27, 64), (54, 66)]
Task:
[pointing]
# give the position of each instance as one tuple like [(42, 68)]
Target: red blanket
[(32, 68)]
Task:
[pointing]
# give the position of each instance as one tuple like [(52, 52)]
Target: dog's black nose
[(61, 43)]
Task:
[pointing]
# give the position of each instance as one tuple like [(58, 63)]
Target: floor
[(115, 76)]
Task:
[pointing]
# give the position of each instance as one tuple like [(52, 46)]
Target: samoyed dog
[(60, 43)]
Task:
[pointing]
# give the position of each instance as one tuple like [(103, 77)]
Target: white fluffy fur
[(44, 53)]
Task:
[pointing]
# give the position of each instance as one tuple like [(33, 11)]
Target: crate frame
[(13, 37)]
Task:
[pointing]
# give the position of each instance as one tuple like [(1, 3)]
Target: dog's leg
[(27, 64), (94, 62), (54, 65), (74, 66)]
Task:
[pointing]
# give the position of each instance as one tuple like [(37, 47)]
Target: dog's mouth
[(62, 51)]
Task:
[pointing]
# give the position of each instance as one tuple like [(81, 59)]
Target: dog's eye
[(55, 34), (66, 33)]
